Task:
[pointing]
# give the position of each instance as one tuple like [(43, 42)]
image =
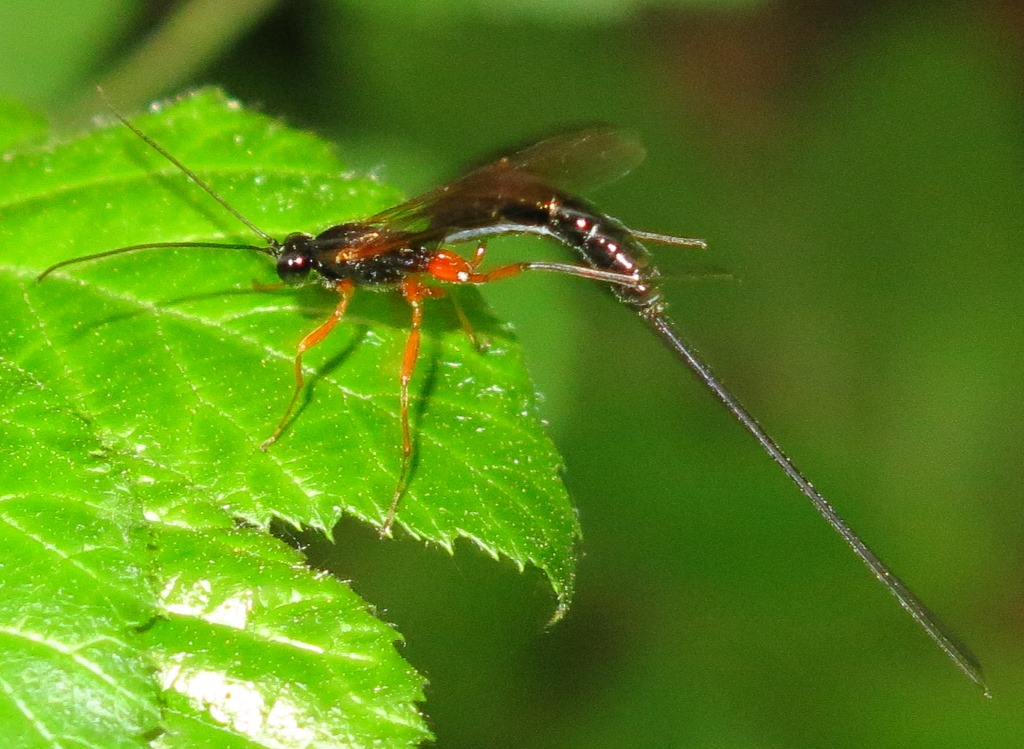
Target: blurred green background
[(858, 169)]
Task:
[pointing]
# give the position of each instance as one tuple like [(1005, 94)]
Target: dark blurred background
[(858, 169)]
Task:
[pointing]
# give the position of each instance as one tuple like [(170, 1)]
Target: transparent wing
[(569, 163), (580, 161)]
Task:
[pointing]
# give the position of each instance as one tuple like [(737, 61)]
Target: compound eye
[(293, 266)]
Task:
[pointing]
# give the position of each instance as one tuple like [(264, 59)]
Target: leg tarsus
[(313, 338), (299, 383), (403, 480)]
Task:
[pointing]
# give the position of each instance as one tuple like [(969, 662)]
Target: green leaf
[(140, 387), (294, 661), (72, 586)]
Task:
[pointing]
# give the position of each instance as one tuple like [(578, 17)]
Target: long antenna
[(950, 644), (150, 246), (272, 244), (188, 173)]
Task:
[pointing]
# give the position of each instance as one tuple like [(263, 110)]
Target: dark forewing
[(569, 163)]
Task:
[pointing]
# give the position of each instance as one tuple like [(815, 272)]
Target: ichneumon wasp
[(530, 191)]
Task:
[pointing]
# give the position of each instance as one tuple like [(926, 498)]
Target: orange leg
[(452, 267), (479, 343), (345, 289), (414, 293), (448, 266)]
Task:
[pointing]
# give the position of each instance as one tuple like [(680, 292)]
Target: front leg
[(345, 289)]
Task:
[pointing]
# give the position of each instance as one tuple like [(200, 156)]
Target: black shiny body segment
[(336, 255), (605, 243), (600, 241)]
